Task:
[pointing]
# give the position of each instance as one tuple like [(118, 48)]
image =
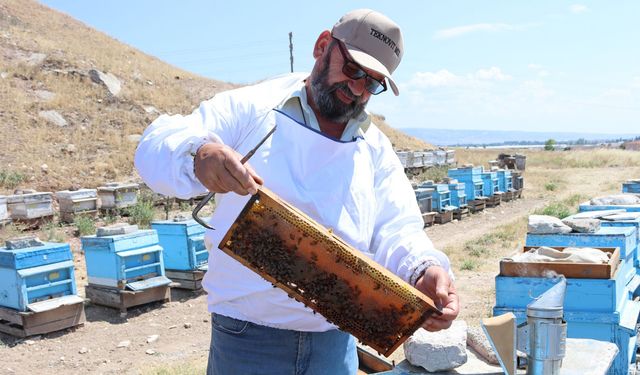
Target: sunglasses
[(353, 70)]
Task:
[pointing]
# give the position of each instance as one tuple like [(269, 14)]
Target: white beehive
[(77, 202), (118, 195), (30, 206)]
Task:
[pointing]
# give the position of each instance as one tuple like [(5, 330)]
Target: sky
[(484, 65)]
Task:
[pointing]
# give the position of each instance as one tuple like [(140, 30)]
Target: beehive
[(471, 177), (32, 271), (319, 269), (30, 206), (123, 257), (115, 195), (182, 242), (77, 202)]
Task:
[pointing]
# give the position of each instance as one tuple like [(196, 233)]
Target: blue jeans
[(244, 348)]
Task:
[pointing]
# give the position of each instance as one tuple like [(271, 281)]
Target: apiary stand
[(50, 317), (476, 205), (191, 279), (124, 299), (428, 218), (444, 217), (461, 212)]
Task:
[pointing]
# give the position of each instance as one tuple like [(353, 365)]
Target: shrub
[(468, 265), (557, 209), (141, 213), (550, 186), (11, 180), (85, 225)]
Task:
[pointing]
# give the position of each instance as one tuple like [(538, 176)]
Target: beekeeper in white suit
[(326, 158)]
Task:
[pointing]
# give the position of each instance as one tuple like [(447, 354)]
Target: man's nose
[(357, 86)]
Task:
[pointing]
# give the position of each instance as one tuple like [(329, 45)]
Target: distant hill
[(453, 137), (59, 128)]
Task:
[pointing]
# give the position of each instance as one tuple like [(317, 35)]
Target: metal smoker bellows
[(543, 337), (547, 331), (319, 269)]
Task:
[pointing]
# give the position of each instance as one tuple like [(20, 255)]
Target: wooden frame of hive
[(317, 268)]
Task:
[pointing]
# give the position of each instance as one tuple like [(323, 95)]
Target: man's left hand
[(437, 284)]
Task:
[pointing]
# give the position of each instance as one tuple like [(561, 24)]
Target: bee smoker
[(543, 337)]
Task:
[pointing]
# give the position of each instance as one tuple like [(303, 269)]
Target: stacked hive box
[(472, 179), (125, 267), (77, 202), (458, 199), (185, 256), (115, 195), (441, 199), (601, 309), (38, 291), (30, 206), (490, 188), (505, 184)]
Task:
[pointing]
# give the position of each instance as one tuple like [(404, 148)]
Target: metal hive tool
[(317, 268)]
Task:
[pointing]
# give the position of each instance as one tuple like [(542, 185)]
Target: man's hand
[(437, 284), (218, 168)]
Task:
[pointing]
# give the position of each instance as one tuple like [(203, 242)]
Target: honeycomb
[(320, 270)]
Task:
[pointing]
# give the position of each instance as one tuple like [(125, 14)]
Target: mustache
[(344, 86)]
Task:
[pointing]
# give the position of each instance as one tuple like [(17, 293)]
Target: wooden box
[(317, 268), (569, 270)]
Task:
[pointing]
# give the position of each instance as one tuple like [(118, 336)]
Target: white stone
[(153, 338), (124, 344), (583, 225), (45, 95), (150, 109), (616, 200), (53, 117), (438, 351), (150, 351), (541, 224), (107, 79), (134, 138)]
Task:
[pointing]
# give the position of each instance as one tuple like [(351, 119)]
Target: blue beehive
[(33, 271), (458, 195), (490, 183), (124, 257), (441, 196), (587, 206), (182, 242), (624, 238), (631, 186), (591, 310), (471, 177), (505, 182)]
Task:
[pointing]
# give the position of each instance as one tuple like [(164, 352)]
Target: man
[(328, 160)]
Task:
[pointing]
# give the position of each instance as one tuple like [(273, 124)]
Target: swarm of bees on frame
[(323, 277)]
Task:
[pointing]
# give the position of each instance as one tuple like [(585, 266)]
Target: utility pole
[(291, 49)]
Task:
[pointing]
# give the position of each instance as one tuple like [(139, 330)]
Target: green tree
[(550, 144)]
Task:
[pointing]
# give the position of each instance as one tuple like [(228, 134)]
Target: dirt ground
[(111, 344)]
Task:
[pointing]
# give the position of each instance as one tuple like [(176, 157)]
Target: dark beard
[(329, 105)]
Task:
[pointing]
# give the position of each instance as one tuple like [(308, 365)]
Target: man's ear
[(322, 44)]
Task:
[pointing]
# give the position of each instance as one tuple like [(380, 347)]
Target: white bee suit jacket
[(357, 188)]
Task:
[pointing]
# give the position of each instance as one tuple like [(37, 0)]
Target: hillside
[(46, 63)]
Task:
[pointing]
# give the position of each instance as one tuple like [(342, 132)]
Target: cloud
[(539, 70), (578, 8), (492, 74), (478, 27), (444, 78)]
